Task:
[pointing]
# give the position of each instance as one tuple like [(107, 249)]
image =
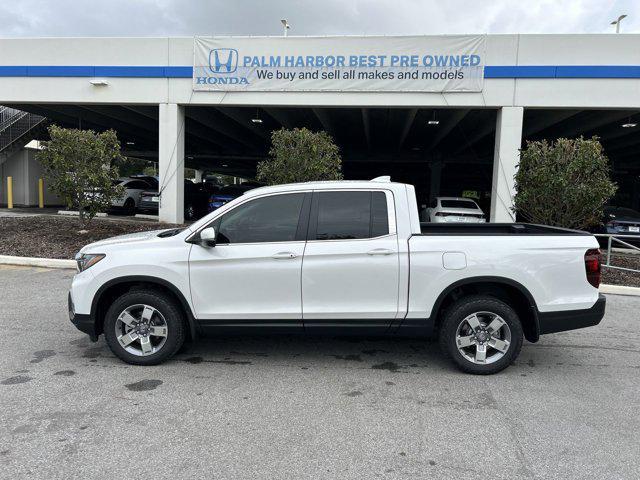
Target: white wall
[(601, 49), (15, 166), (502, 50), (25, 170)]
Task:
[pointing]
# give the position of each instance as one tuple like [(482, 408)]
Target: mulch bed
[(620, 277), (58, 237)]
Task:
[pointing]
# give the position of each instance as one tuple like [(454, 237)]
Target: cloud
[(311, 17)]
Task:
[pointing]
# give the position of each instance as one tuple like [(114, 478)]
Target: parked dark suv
[(196, 198), (620, 221)]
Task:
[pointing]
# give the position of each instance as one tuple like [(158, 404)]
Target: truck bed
[(427, 228)]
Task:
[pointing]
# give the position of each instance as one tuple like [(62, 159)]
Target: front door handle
[(283, 255), (380, 251)]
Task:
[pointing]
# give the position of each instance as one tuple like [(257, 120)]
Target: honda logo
[(223, 60)]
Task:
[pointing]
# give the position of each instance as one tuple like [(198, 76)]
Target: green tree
[(563, 183), (80, 167), (300, 155)]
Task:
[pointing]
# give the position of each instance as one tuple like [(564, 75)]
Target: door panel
[(351, 279), (253, 272), (351, 266), (247, 281)]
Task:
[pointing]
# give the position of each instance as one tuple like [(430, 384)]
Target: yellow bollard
[(10, 192), (40, 193)]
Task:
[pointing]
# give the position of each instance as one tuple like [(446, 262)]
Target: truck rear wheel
[(481, 334), (143, 327)]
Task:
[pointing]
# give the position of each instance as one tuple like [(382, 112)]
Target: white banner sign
[(451, 63)]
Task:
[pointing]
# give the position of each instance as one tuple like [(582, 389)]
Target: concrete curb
[(37, 262), (148, 217), (75, 213), (619, 290)]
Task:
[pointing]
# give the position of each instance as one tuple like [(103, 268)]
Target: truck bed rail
[(487, 229)]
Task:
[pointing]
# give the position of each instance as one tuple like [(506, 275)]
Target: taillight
[(592, 266)]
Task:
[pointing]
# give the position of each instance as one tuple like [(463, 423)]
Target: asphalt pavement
[(292, 408)]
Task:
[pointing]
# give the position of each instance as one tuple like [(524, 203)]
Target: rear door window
[(350, 215)]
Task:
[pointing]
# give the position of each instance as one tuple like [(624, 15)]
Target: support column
[(198, 176), (434, 180), (505, 160), (171, 162)]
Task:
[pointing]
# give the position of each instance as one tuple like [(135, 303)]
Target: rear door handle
[(283, 255), (380, 251)]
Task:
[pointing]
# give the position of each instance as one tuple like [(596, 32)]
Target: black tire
[(173, 317), (129, 207), (459, 311)]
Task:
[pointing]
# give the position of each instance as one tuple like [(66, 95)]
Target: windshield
[(458, 204), (624, 212)]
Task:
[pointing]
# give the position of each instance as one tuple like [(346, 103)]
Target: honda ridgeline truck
[(338, 258)]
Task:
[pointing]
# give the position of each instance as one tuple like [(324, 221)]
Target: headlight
[(86, 260)]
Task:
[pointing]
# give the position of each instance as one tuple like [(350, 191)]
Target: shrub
[(563, 183), (80, 168), (300, 155)]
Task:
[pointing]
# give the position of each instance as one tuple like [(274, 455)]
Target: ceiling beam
[(454, 119), (281, 116), (243, 118), (133, 118), (486, 129), (234, 132), (325, 120), (199, 131), (630, 142), (67, 120), (393, 158), (618, 131), (366, 124), (106, 122), (408, 122), (595, 120), (547, 120)]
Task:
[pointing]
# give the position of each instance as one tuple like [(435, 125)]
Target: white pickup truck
[(338, 258)]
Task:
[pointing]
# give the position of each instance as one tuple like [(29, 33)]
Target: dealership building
[(445, 113)]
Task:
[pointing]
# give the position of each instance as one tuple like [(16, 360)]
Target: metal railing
[(14, 125), (611, 238)]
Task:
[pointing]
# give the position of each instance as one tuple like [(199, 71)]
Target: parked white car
[(454, 209), (337, 257), (134, 186)]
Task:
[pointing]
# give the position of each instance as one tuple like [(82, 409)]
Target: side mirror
[(208, 237)]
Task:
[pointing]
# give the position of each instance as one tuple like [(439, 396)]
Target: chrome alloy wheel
[(141, 330), (483, 338)]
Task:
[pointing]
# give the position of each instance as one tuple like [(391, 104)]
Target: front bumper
[(552, 322), (82, 322)]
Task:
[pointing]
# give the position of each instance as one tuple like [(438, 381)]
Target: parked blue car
[(226, 194)]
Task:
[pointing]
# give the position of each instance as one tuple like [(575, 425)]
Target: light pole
[(617, 23), (285, 25)]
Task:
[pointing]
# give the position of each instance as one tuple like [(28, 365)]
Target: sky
[(73, 18)]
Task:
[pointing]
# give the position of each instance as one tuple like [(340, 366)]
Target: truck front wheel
[(143, 327), (481, 334)]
